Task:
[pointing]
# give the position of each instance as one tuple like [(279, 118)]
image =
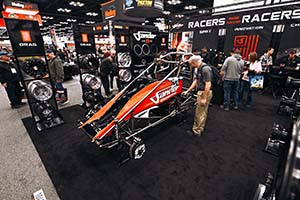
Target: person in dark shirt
[(218, 60), (114, 71), (205, 55), (10, 80), (291, 60), (202, 82), (105, 71)]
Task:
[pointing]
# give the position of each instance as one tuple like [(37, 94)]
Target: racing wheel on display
[(91, 81), (44, 110), (40, 90), (124, 59), (146, 49), (125, 75), (36, 68), (137, 49), (153, 49), (89, 62)]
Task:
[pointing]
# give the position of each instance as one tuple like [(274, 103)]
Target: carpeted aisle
[(225, 164)]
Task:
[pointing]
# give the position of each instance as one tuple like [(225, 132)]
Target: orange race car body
[(144, 103)]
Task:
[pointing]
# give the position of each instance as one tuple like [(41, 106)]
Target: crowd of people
[(236, 75)]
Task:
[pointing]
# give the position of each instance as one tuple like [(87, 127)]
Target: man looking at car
[(202, 82)]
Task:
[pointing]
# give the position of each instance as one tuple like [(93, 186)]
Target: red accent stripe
[(256, 44), (249, 42), (252, 43)]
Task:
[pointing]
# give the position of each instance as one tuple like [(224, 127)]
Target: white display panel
[(221, 3)]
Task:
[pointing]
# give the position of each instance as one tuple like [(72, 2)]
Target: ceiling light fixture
[(76, 3), (64, 10), (179, 16), (47, 17), (166, 12), (71, 20), (90, 22), (190, 7), (174, 2), (92, 14)]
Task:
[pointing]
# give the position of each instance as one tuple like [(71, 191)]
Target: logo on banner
[(111, 12), (246, 44), (145, 3), (84, 38), (26, 39), (164, 93), (25, 35), (143, 35)]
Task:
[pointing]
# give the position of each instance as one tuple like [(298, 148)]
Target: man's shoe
[(226, 109), (190, 133), (235, 107), (16, 106)]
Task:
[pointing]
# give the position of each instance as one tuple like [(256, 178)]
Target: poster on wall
[(25, 37), (248, 39)]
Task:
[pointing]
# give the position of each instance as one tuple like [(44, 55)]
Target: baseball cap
[(49, 51), (292, 52)]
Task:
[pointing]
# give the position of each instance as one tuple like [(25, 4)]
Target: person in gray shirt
[(231, 72)]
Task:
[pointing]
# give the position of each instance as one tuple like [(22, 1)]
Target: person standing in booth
[(202, 82), (10, 80), (292, 60), (56, 70), (267, 60), (105, 71), (254, 68), (231, 72)]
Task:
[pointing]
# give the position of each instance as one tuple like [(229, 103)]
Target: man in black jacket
[(10, 80), (105, 70)]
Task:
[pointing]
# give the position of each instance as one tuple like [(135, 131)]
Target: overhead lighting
[(71, 20), (92, 14), (47, 17), (146, 21), (44, 21), (179, 16), (166, 12), (76, 3), (64, 10), (63, 22), (90, 22), (160, 19), (190, 7), (174, 2)]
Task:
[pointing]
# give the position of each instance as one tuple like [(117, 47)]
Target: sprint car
[(142, 104)]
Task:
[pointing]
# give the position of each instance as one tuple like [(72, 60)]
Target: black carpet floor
[(226, 163)]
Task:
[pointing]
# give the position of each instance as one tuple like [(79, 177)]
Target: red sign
[(246, 44), (22, 17), (84, 38), (25, 35)]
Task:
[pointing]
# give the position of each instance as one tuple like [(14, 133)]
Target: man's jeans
[(230, 87)]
